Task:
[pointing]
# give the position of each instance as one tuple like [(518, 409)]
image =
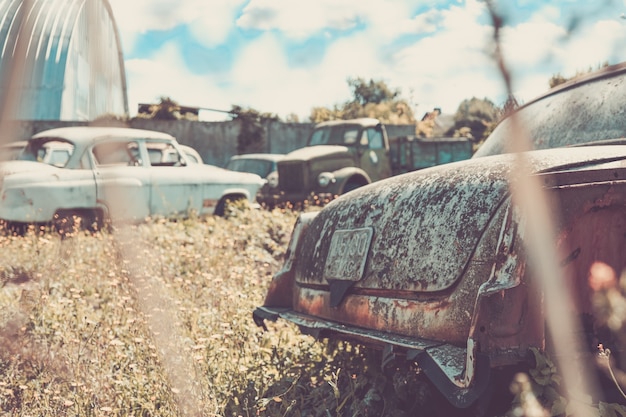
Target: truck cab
[(340, 155)]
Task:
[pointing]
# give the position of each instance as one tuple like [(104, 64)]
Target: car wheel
[(227, 204), (14, 228), (351, 186), (67, 222)]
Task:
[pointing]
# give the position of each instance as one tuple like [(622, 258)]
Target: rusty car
[(433, 267), (113, 174)]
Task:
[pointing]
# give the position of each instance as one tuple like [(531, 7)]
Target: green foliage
[(77, 336), (155, 320), (556, 79), (252, 132), (166, 109), (475, 118), (369, 99), (376, 92), (540, 393)]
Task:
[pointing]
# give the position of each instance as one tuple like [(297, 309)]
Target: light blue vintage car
[(116, 174)]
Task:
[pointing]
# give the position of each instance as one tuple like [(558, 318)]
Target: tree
[(369, 99), (475, 117), (166, 109), (252, 133), (376, 92)]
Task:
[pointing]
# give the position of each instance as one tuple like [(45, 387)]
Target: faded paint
[(32, 192)]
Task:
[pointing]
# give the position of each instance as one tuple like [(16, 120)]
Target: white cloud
[(300, 19), (138, 16), (592, 46), (212, 21), (539, 49), (164, 75), (262, 79), (209, 21), (450, 64)]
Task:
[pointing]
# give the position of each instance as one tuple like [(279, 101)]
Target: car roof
[(265, 156), (87, 134), (363, 121)]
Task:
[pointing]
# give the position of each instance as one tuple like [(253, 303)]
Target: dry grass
[(156, 320), (103, 324)]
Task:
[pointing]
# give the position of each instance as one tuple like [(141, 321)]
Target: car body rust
[(434, 266)]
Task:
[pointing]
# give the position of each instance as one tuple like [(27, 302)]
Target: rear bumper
[(444, 364)]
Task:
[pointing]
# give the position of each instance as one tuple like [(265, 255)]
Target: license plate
[(347, 254)]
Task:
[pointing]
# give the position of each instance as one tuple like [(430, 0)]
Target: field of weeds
[(153, 320), (156, 320)]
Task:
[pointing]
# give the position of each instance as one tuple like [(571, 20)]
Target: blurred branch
[(539, 232)]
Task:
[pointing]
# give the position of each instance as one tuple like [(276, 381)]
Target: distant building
[(66, 56)]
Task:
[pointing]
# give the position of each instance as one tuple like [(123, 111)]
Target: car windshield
[(260, 167), (591, 112), (52, 152), (334, 135)]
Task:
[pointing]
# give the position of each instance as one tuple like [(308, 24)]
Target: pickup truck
[(343, 155)]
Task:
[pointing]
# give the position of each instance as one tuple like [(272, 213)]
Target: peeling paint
[(448, 272)]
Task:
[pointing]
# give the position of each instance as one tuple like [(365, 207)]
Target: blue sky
[(288, 56)]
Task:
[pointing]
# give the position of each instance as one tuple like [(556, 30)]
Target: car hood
[(313, 152), (424, 226), (227, 175)]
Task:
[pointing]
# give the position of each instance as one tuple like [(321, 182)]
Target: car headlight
[(272, 179), (325, 178)]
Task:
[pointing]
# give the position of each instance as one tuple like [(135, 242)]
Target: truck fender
[(349, 178)]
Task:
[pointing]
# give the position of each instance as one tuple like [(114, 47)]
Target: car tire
[(222, 206), (67, 222), (14, 228), (350, 186)]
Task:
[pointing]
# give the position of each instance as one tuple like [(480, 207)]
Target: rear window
[(590, 112), (51, 152)]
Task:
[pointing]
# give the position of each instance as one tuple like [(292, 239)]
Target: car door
[(374, 155), (122, 178), (175, 187)]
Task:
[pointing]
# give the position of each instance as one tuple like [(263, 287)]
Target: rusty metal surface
[(436, 263), (469, 283), (426, 224)]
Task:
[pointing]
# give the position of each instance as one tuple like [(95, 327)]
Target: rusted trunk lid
[(416, 232)]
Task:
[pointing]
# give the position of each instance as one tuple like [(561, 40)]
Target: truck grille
[(292, 177)]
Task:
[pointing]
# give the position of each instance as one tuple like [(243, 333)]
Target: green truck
[(342, 155)]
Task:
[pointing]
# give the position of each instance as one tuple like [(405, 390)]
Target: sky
[(289, 56)]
